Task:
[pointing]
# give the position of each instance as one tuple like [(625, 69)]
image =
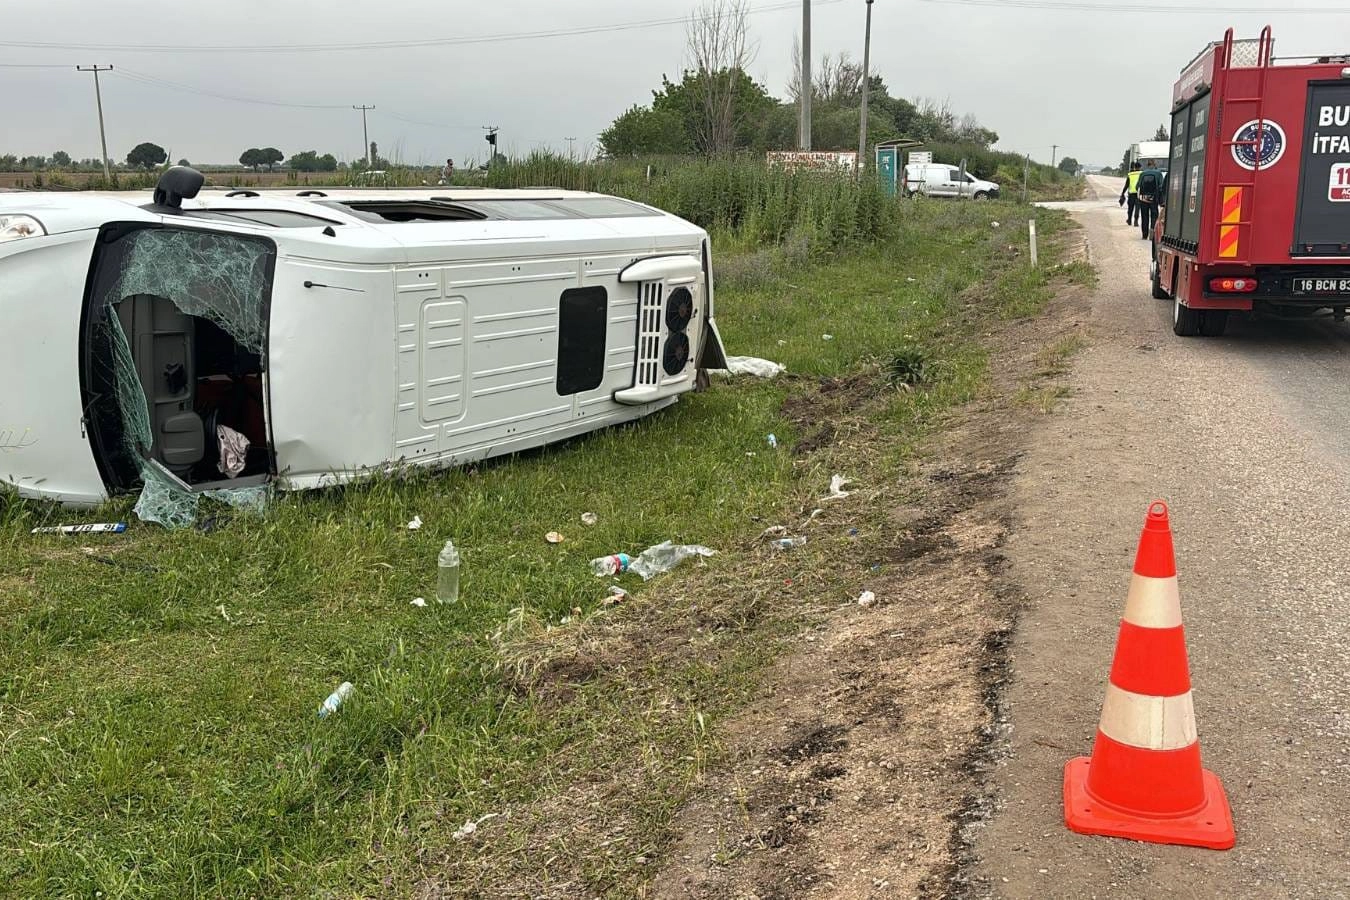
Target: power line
[(155, 81), (458, 40), (453, 126), (1075, 6)]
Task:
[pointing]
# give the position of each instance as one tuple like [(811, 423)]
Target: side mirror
[(176, 185)]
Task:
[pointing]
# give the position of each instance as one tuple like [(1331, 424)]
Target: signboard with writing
[(823, 160), (1339, 189), (1323, 224)]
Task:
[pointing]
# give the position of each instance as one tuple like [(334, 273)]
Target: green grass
[(158, 735)]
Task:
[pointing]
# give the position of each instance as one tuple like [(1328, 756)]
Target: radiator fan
[(677, 354), (679, 309)]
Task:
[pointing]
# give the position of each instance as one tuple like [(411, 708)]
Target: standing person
[(1150, 193), (1131, 190), (448, 172)]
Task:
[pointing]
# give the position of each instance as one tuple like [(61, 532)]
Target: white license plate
[(1322, 286)]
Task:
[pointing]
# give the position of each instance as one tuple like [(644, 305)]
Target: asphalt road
[(1247, 438)]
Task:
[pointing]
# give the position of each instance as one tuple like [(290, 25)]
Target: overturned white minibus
[(227, 340)]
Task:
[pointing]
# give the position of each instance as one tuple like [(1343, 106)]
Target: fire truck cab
[(1257, 203)]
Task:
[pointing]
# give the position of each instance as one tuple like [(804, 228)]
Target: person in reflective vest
[(1131, 191)]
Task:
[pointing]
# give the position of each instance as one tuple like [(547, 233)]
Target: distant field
[(80, 180)]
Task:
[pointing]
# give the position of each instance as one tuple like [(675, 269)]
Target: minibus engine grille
[(649, 333)]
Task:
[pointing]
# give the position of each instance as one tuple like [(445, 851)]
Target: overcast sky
[(1091, 82)]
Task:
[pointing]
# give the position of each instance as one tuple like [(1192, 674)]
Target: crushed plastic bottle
[(773, 441), (447, 574), (335, 699), (604, 566), (665, 556), (789, 543)]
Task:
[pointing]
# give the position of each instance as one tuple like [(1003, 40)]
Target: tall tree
[(270, 156), (719, 50), (146, 156), (61, 159), (1068, 165), (252, 158)]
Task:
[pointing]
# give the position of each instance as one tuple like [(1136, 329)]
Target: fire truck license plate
[(1322, 286)]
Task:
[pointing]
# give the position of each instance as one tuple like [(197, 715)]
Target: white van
[(943, 180), (302, 339)]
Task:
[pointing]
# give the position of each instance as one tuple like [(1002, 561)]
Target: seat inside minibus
[(178, 337)]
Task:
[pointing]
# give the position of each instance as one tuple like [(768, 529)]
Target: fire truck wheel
[(1158, 292), (1213, 322), (1185, 321)]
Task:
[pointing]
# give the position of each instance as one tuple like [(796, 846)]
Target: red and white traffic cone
[(1144, 780)]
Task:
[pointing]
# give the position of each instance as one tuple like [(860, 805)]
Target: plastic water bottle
[(447, 574), (611, 565), (335, 699)]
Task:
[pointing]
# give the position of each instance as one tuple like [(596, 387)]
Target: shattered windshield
[(216, 276), (174, 365)]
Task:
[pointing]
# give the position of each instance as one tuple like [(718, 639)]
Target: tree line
[(716, 108), (722, 111), (148, 155)]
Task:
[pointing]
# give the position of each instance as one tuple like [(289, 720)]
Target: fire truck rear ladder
[(1248, 188)]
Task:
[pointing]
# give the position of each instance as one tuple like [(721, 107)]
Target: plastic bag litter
[(665, 556), (837, 491), (418, 601), (233, 451), (753, 365), (588, 519), (471, 826), (866, 598), (415, 524)]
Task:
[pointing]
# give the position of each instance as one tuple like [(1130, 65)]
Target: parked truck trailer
[(1257, 206), (1157, 152)]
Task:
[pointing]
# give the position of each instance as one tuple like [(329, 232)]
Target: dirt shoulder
[(852, 773)]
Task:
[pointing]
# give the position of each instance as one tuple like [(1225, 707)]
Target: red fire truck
[(1257, 205)]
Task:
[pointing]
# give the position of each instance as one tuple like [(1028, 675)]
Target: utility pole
[(866, 90), (571, 147), (102, 134), (1054, 153), (365, 133), (804, 138), (491, 138)]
